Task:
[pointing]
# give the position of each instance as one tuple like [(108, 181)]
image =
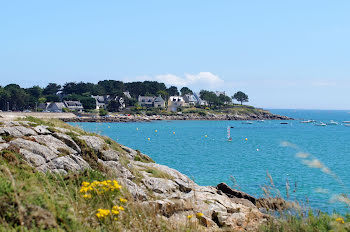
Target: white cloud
[(202, 79)]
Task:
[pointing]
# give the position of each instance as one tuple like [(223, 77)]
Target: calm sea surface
[(314, 160)]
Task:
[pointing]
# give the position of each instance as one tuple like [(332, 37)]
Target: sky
[(282, 54)]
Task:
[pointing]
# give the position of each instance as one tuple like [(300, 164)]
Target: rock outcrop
[(172, 194)]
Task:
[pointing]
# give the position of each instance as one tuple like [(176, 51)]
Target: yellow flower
[(121, 208), (102, 213), (200, 214), (340, 220), (87, 196), (85, 184), (115, 212), (189, 216), (123, 200)]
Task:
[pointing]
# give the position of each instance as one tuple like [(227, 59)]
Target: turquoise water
[(200, 150)]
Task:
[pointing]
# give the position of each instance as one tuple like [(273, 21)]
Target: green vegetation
[(142, 158), (158, 173), (13, 97), (241, 97), (34, 201), (309, 222)]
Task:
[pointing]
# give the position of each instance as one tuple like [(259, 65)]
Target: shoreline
[(135, 118)]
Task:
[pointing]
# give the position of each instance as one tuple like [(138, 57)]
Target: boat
[(284, 123), (347, 122), (307, 121), (261, 121), (247, 122), (321, 124), (332, 123)]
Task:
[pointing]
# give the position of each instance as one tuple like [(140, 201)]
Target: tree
[(173, 91), (210, 97), (241, 97), (51, 89), (224, 99), (88, 103), (113, 106), (164, 94), (185, 90)]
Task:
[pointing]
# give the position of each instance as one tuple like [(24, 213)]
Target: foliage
[(103, 112), (185, 90), (172, 91), (240, 96)]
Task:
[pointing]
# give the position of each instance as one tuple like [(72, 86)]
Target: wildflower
[(121, 208), (102, 213), (85, 184), (115, 212), (189, 216), (87, 196), (200, 214), (340, 220), (123, 200)]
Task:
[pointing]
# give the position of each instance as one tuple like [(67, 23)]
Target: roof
[(74, 104)]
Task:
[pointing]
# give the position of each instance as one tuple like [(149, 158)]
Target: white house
[(175, 102)]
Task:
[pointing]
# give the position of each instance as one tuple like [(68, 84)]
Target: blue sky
[(283, 54)]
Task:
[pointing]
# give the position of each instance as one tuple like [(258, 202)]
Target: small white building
[(175, 102)]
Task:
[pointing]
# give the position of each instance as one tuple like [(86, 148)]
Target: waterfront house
[(200, 102), (101, 101), (151, 101), (54, 106), (74, 105), (190, 100), (175, 102)]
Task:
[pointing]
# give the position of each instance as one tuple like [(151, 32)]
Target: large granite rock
[(94, 142), (35, 148), (54, 144), (65, 164), (68, 141), (42, 130)]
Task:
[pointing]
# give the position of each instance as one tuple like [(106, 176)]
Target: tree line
[(14, 97)]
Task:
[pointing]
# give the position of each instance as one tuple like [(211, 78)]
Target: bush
[(103, 112)]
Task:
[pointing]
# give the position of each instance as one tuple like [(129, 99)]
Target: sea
[(299, 161)]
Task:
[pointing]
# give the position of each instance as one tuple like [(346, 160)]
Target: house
[(199, 100), (74, 105), (190, 100), (52, 106), (175, 102), (101, 101), (146, 101), (159, 102)]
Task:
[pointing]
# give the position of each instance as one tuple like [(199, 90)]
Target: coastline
[(212, 117)]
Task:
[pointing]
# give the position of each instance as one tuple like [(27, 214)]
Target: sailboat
[(229, 138)]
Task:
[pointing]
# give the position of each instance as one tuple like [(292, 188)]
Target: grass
[(34, 201), (309, 222), (143, 158), (52, 123), (158, 173)]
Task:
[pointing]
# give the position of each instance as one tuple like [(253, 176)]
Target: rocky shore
[(140, 118), (174, 196)]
